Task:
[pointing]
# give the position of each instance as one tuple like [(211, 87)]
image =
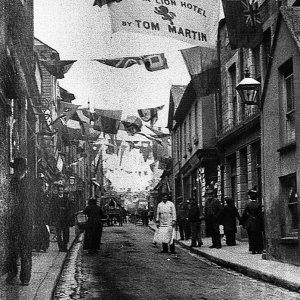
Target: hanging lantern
[(248, 90)]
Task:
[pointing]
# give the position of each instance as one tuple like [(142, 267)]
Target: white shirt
[(166, 213)]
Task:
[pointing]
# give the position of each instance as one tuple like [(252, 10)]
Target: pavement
[(238, 258), (46, 269)]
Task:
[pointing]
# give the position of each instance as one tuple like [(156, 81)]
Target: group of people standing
[(189, 219)]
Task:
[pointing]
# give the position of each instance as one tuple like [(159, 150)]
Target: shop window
[(290, 198)]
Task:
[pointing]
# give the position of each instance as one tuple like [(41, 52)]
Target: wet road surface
[(128, 268)]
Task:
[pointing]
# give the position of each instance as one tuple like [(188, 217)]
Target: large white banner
[(191, 21)]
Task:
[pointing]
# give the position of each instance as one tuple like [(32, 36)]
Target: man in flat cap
[(20, 225)]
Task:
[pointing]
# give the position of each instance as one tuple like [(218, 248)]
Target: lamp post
[(248, 89)]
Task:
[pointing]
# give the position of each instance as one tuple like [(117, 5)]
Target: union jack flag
[(251, 12)]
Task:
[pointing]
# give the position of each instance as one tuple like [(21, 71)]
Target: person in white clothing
[(165, 222)]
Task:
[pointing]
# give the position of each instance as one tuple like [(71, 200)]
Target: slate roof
[(291, 16)]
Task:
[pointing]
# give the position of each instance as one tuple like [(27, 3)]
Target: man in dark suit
[(62, 214), (20, 225)]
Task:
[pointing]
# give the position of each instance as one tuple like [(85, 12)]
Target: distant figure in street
[(228, 218), (20, 225), (182, 221), (195, 223), (212, 212), (252, 221), (93, 231), (41, 235), (62, 215), (166, 221)]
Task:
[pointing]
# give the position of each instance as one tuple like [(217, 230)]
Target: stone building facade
[(239, 125), (280, 137), (192, 125)]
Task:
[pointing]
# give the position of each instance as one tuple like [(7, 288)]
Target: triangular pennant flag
[(108, 121), (65, 111), (132, 125), (58, 68), (150, 114), (203, 66)]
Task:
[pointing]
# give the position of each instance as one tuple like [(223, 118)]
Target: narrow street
[(129, 267)]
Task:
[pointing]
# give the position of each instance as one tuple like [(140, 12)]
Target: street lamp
[(248, 89)]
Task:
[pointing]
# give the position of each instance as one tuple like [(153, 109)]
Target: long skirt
[(92, 238), (255, 239)]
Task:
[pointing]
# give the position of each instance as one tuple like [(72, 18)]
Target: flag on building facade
[(150, 114), (152, 62), (243, 23), (193, 21), (203, 66), (107, 121)]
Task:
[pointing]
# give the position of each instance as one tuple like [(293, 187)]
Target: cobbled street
[(128, 267)]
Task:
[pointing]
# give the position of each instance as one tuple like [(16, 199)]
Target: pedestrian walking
[(41, 231), (212, 212), (20, 225), (228, 218), (62, 215), (94, 226), (195, 223), (166, 221), (252, 221), (182, 221)]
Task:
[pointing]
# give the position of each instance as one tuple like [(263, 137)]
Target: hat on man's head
[(253, 193), (19, 162), (209, 191), (253, 190)]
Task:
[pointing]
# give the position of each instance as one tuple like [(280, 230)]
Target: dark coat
[(212, 211), (21, 219), (252, 218), (194, 214), (182, 212), (62, 211), (93, 229), (228, 218)]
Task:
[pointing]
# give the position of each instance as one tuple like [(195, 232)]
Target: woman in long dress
[(93, 231)]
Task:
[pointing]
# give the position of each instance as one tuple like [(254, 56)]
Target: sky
[(80, 31)]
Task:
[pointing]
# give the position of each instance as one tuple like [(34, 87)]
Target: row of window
[(186, 134)]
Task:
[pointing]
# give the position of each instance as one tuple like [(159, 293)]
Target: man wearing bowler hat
[(20, 225)]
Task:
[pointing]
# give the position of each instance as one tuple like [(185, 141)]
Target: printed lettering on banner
[(191, 21)]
